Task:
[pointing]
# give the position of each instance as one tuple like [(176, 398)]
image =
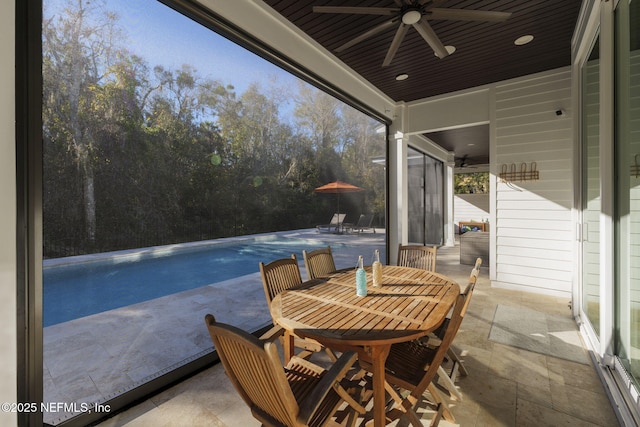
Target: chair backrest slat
[(319, 262), (415, 256), (279, 275)]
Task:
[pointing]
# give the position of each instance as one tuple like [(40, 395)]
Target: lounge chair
[(363, 224), (335, 223)]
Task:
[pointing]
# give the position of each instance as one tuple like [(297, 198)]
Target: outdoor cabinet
[(474, 244)]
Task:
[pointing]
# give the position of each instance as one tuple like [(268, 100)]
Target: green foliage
[(471, 183), (137, 156)]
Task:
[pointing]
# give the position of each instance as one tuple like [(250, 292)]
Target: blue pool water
[(74, 290)]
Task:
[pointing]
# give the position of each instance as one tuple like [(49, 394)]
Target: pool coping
[(160, 249)]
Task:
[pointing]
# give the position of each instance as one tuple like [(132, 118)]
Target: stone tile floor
[(507, 386)]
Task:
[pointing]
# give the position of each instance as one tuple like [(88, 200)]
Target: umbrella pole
[(338, 226)]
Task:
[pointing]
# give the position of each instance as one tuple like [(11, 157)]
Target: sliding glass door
[(591, 187), (425, 198), (628, 185)]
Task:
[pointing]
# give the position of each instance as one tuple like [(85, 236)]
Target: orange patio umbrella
[(337, 187)]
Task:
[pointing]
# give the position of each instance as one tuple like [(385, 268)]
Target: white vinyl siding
[(533, 228), (470, 207)]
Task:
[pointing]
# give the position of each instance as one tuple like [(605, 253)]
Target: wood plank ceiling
[(485, 51)]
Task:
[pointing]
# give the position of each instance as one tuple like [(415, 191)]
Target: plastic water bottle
[(376, 268), (361, 279)]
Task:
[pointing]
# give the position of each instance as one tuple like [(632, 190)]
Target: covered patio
[(507, 385), (542, 340)]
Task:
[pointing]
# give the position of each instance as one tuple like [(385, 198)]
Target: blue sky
[(162, 36)]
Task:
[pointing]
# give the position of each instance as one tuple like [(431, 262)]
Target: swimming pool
[(74, 289)]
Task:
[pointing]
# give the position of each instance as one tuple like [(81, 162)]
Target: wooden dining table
[(408, 304)]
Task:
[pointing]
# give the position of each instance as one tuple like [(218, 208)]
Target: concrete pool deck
[(96, 358)]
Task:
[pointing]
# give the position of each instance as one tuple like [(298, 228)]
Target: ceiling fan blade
[(469, 15), (395, 44), (357, 10), (375, 30), (430, 37)]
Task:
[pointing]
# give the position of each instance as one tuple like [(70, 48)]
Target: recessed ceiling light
[(403, 76), (523, 40)]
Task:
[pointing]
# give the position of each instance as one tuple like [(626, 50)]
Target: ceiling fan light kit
[(411, 16), (415, 13)]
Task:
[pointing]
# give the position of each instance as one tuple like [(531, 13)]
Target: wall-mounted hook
[(510, 173)]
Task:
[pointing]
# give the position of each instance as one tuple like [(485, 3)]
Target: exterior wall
[(533, 226), (8, 280), (470, 207)]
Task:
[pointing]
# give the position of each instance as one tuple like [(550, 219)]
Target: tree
[(185, 142), (79, 47), (470, 183), (317, 117), (362, 146), (137, 156)]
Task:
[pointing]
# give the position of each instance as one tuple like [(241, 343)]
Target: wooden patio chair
[(299, 394), (319, 262), (447, 379), (278, 276), (457, 363), (413, 365), (415, 256)]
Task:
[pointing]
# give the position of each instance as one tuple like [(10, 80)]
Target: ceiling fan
[(463, 162), (414, 13)]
